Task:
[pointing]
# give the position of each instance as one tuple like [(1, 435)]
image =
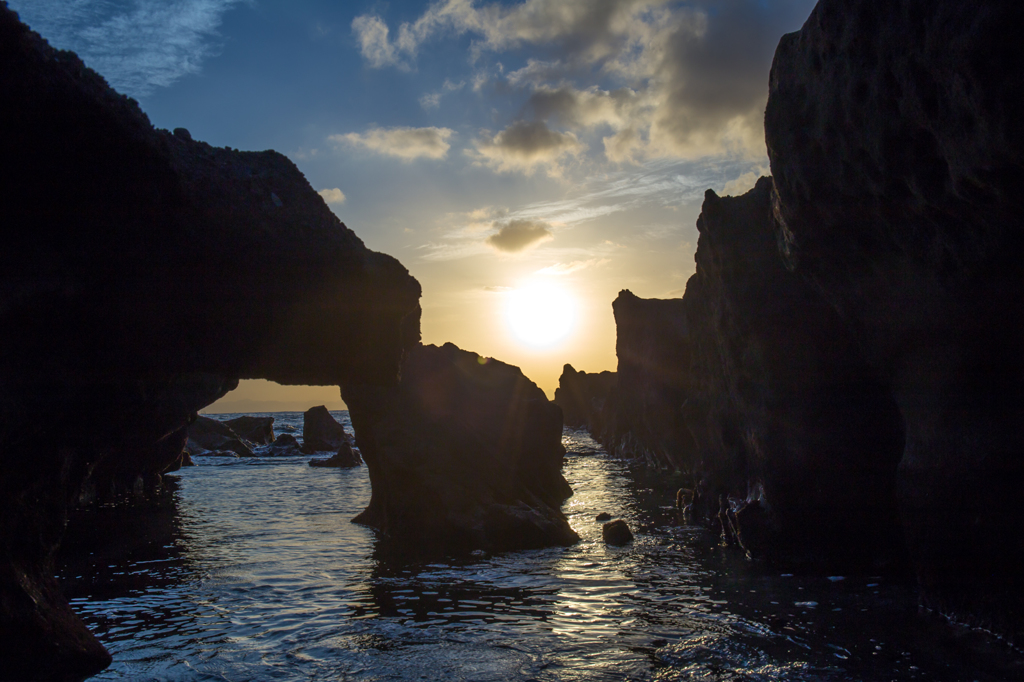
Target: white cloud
[(145, 45), (404, 143), (374, 45), (573, 266), (332, 196), (526, 146)]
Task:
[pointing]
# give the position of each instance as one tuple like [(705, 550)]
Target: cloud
[(432, 100), (332, 196), (374, 45), (526, 146), (518, 235), (571, 267), (404, 143), (687, 79), (138, 48), (744, 183)]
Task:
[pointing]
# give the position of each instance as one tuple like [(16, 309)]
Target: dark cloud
[(519, 235)]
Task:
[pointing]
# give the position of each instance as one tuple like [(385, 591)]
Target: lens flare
[(541, 314)]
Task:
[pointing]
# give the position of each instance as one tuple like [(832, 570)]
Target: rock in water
[(213, 434), (256, 430), (616, 532), (285, 445), (164, 273), (346, 458), (320, 431), (897, 150), (465, 453)]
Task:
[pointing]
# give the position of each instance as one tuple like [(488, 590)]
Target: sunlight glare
[(541, 314)]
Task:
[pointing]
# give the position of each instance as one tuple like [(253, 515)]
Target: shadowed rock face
[(645, 411), (897, 152), (583, 397), (465, 453), (143, 274), (788, 416)]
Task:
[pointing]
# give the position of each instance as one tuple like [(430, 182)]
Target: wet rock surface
[(345, 458), (214, 435), (256, 430), (165, 273), (616, 532), (464, 454), (321, 432)]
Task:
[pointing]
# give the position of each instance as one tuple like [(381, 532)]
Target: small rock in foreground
[(616, 532), (603, 516)]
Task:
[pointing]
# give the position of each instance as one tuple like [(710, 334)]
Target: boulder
[(321, 432), (285, 445), (616, 532), (464, 454), (165, 273), (897, 152), (346, 458), (206, 434), (255, 430)]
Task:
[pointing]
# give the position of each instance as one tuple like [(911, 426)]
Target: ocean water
[(250, 569)]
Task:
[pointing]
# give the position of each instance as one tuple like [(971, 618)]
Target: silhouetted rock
[(212, 435), (345, 458), (255, 430), (321, 432), (583, 398), (465, 453), (782, 405), (603, 516), (285, 445), (643, 416), (896, 145), (166, 270), (616, 532)]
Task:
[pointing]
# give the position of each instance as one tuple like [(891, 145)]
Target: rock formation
[(164, 272), (212, 434), (465, 453), (321, 432), (644, 417), (584, 397), (897, 151), (345, 458), (255, 430)]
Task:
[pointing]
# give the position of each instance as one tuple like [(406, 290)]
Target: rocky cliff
[(895, 142), (465, 453), (143, 274), (584, 398)]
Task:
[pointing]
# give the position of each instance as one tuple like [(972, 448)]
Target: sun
[(540, 314)]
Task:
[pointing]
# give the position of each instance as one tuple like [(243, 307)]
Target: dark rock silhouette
[(781, 403), (346, 457), (643, 417), (584, 398), (616, 532), (465, 453), (895, 142), (603, 516), (321, 432), (285, 445), (206, 433), (255, 430), (166, 270)]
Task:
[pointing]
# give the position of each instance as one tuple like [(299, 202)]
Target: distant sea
[(250, 569)]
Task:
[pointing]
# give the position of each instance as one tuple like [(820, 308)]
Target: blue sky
[(487, 145)]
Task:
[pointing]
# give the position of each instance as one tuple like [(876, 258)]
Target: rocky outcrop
[(321, 432), (212, 434), (897, 151), (465, 453), (584, 398), (644, 415), (165, 271), (285, 445), (798, 438), (345, 458), (255, 430)]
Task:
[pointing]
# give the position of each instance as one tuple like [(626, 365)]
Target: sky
[(526, 160)]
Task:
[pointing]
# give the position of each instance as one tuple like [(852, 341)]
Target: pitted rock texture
[(895, 141), (788, 416), (143, 274), (465, 453)]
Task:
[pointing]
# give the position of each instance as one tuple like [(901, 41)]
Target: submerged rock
[(255, 430), (345, 458), (321, 432), (465, 453), (164, 273)]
